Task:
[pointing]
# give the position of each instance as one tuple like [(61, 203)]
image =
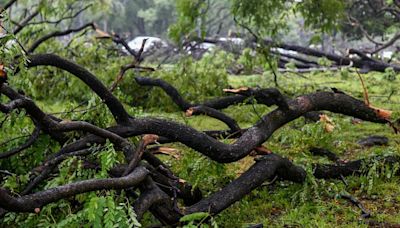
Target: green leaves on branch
[(198, 220), (323, 15), (265, 18), (191, 17)]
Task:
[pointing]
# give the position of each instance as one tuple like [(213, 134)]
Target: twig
[(366, 100), (27, 144), (364, 212)]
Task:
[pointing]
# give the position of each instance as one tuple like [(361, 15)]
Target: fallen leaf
[(329, 126), (189, 112)]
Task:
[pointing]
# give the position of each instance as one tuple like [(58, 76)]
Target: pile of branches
[(159, 187), (304, 59), (147, 181)]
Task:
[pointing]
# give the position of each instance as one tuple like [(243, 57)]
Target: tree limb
[(30, 203)]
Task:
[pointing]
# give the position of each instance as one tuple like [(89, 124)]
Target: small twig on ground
[(364, 212)]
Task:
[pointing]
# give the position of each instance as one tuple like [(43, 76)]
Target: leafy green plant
[(199, 220)]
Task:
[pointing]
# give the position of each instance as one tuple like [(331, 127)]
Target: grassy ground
[(315, 203)]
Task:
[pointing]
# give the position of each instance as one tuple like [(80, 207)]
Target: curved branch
[(63, 18), (30, 203), (265, 168), (21, 25), (14, 104), (250, 139), (220, 103), (259, 133), (48, 167), (201, 109), (87, 127), (113, 104), (28, 143), (56, 34), (387, 44), (36, 114)]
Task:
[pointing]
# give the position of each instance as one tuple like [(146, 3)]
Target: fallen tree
[(144, 167), (146, 182), (306, 58)]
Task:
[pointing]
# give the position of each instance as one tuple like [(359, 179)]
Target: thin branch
[(137, 155), (28, 143), (364, 212), (63, 18), (113, 104), (21, 25), (7, 5), (387, 44), (57, 34)]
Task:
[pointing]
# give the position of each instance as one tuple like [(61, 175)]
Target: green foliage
[(375, 173), (191, 16), (202, 172), (324, 62), (323, 15), (195, 80), (366, 20), (267, 16), (263, 17), (108, 159), (390, 74), (197, 220), (250, 59)]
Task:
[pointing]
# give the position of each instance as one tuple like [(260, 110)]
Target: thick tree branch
[(31, 203), (36, 114), (150, 196), (114, 105), (259, 133), (266, 168), (48, 168), (253, 137)]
